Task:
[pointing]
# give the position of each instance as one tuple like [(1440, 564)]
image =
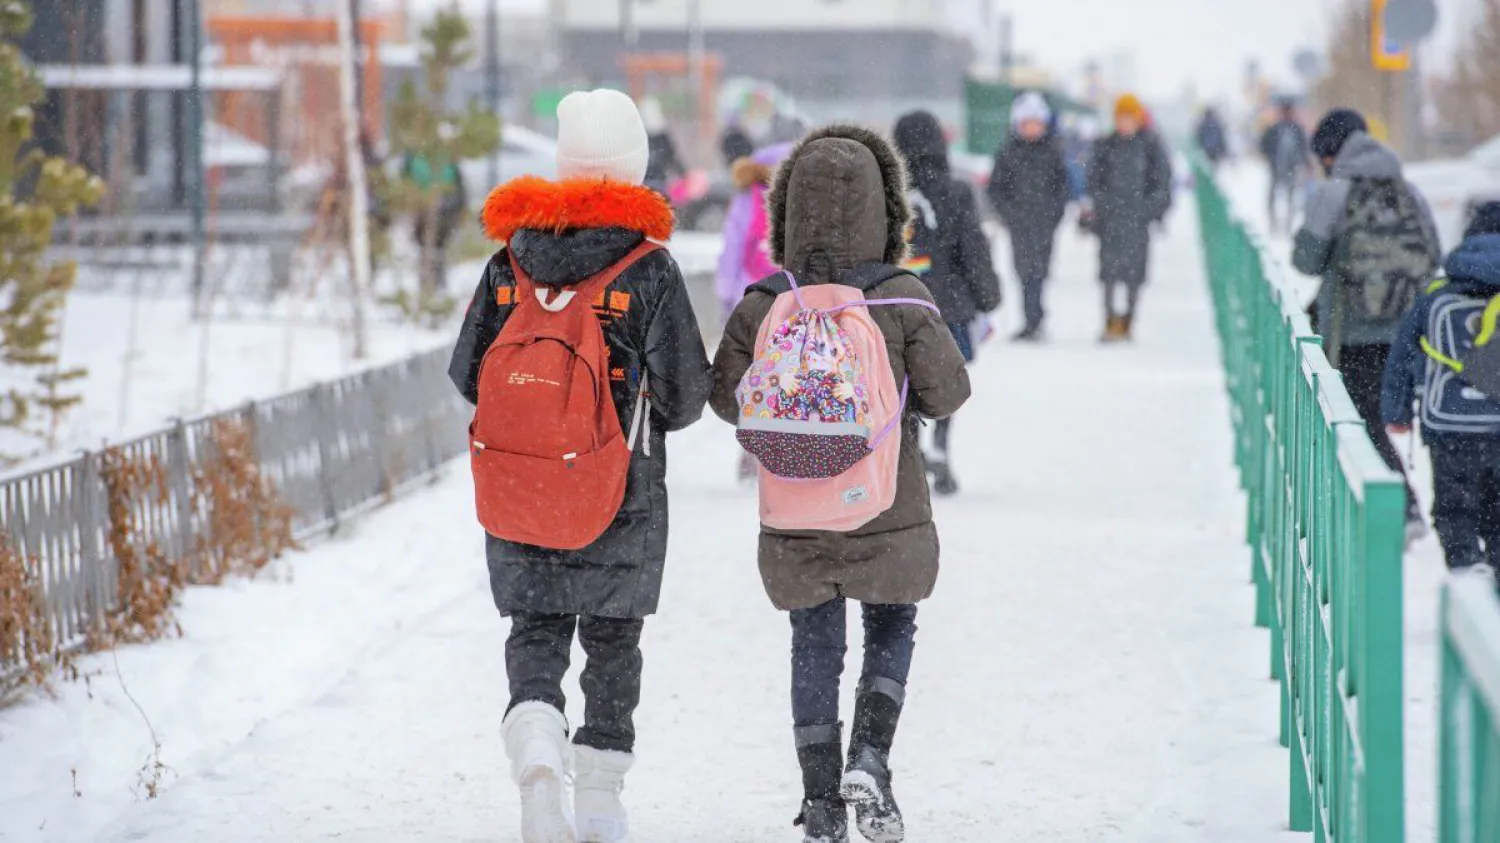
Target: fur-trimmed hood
[(536, 204), (838, 201), (748, 173)]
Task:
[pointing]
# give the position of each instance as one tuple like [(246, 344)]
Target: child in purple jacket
[(746, 258)]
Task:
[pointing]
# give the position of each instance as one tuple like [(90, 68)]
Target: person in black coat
[(949, 252), (1285, 147), (663, 163), (1212, 137), (561, 233), (1029, 189), (1130, 190)]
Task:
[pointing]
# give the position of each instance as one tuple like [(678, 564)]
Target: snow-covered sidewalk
[(1087, 670)]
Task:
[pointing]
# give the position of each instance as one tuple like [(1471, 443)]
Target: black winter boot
[(867, 781), (825, 816)]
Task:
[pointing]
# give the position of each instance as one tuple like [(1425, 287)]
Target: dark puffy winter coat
[(838, 213), (562, 233), (663, 164), (1029, 189), (1130, 184), (962, 277)]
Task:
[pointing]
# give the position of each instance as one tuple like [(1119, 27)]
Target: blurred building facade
[(91, 53), (856, 59)]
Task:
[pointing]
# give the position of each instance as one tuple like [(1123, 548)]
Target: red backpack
[(549, 458)]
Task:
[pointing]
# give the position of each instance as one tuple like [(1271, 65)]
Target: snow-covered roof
[(224, 147), (156, 77)]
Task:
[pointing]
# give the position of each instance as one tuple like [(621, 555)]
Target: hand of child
[(1398, 429)]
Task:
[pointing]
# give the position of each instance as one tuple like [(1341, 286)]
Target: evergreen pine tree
[(428, 138), (35, 190)]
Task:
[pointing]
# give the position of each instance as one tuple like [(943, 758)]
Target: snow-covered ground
[(1087, 670), (1247, 184)]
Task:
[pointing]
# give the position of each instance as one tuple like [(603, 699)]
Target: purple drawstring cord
[(834, 311)]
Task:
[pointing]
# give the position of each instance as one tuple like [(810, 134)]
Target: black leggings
[(820, 641), (536, 660), (1363, 368), (940, 431)]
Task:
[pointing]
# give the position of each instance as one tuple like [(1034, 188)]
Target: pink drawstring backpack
[(821, 412)]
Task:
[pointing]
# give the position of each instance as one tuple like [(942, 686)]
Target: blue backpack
[(1451, 401)]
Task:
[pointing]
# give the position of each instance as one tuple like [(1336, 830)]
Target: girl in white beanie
[(1029, 189), (595, 220)]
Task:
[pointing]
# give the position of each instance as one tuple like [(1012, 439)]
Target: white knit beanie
[(600, 135), (1030, 106)]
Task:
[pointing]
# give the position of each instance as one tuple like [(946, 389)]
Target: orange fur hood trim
[(536, 203)]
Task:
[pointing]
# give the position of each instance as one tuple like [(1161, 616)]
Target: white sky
[(1173, 42)]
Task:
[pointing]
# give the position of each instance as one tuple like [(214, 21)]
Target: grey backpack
[(1386, 260)]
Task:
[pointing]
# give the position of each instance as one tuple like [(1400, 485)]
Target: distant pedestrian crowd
[(854, 290)]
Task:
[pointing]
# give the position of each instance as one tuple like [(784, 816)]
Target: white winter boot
[(536, 741), (596, 795)]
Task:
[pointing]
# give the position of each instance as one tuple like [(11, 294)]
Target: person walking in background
[(1284, 146), (1130, 189), (838, 217), (1369, 234), (591, 230), (434, 227), (663, 165), (735, 143), (1212, 137), (949, 252), (1077, 146), (746, 257), (1029, 190), (1460, 423)]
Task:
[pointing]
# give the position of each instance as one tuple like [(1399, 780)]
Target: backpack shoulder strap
[(596, 283), (1488, 323)]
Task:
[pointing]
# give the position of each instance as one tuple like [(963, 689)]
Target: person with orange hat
[(1129, 189)]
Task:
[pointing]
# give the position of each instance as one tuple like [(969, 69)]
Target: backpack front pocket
[(565, 503)]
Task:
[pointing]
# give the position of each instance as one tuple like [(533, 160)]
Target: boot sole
[(872, 816), (543, 817)]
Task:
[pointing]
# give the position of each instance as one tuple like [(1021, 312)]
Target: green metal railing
[(1326, 531), (1469, 766)]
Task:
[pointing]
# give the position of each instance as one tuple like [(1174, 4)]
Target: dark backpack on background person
[(1480, 358), (1464, 363), (1384, 260)]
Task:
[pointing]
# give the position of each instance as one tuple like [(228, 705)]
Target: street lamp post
[(196, 118), (492, 76), (629, 35), (354, 168), (697, 59)]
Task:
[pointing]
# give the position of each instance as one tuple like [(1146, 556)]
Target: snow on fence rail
[(1469, 732), (326, 452), (1326, 531)]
